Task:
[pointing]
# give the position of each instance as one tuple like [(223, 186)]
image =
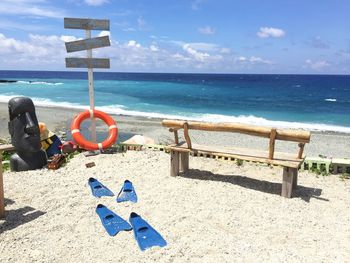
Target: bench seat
[(281, 159)]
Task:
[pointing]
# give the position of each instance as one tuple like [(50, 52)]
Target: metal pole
[(91, 91)]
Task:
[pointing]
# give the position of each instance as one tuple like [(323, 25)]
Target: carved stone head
[(23, 125)]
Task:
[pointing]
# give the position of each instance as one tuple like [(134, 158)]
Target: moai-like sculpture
[(25, 136)]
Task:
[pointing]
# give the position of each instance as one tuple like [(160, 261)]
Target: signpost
[(88, 44)]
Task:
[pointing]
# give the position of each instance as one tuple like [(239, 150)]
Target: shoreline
[(330, 144)]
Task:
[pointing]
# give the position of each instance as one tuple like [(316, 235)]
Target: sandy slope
[(218, 212)]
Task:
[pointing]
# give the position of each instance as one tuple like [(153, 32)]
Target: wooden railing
[(272, 133)]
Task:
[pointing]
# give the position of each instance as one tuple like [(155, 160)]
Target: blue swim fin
[(127, 193), (99, 189), (145, 235), (111, 221)]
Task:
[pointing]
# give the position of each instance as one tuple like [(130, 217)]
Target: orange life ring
[(87, 145)]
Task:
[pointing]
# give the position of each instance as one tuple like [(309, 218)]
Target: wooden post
[(91, 90), (88, 44), (187, 136), (2, 196), (184, 161), (272, 143), (176, 136), (174, 163), (301, 150), (288, 181)]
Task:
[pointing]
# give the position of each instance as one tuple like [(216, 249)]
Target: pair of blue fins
[(127, 193), (145, 235)]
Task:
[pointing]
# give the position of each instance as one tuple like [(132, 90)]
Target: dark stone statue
[(25, 136)]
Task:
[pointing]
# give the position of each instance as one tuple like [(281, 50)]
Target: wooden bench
[(5, 147), (179, 152)]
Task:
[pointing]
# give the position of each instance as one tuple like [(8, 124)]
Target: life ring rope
[(85, 144)]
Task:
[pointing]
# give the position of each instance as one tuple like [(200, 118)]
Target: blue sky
[(205, 36)]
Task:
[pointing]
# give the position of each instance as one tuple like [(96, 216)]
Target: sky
[(184, 36)]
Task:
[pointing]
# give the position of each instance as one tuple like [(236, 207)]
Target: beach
[(252, 163), (330, 144), (218, 211)]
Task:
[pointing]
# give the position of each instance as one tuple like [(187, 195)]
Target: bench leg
[(290, 176), (174, 163), (184, 160), (295, 178)]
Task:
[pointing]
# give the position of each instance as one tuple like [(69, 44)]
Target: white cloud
[(11, 25), (104, 33), (317, 65), (225, 50), (207, 30), (24, 1), (200, 56), (133, 43), (154, 48), (253, 60), (266, 32), (29, 7), (241, 59), (202, 46), (48, 52), (96, 2)]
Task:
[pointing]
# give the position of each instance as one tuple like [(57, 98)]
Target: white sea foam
[(250, 119), (44, 102), (40, 83), (245, 119), (333, 100)]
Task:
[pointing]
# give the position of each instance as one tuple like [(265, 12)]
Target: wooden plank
[(286, 135), (7, 147), (174, 163), (87, 24), (282, 159), (241, 151), (87, 63), (3, 147), (86, 44)]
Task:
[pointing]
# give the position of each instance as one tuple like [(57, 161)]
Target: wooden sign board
[(87, 63), (86, 44), (87, 24)]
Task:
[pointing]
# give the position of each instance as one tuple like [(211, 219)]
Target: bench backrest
[(273, 134)]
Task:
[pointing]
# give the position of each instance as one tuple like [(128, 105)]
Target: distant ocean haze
[(313, 102)]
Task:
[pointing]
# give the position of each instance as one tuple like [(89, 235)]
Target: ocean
[(312, 102)]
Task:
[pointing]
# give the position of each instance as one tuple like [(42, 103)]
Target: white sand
[(222, 213), (59, 119)]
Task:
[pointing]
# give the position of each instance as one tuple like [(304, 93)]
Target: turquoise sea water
[(314, 102)]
